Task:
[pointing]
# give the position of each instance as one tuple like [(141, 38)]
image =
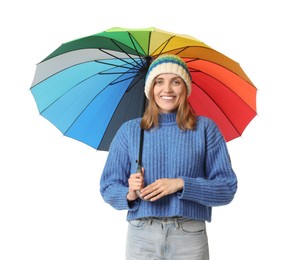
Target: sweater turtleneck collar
[(167, 118)]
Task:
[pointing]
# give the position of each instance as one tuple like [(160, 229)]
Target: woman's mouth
[(167, 97)]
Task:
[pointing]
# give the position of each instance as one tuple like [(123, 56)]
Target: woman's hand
[(135, 183), (161, 188)]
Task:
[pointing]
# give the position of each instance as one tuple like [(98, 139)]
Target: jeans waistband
[(168, 221), (165, 219)]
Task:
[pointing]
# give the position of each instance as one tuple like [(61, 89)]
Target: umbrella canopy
[(89, 86)]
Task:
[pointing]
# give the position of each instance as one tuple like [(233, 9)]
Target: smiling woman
[(168, 84), (186, 170)]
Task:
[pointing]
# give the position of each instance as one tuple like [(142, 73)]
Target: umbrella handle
[(139, 165), (138, 192), (139, 195)]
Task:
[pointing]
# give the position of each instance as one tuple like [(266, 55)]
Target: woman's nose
[(167, 87)]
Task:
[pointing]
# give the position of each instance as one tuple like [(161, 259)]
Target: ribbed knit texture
[(199, 157)]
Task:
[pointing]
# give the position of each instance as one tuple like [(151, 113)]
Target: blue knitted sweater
[(200, 157)]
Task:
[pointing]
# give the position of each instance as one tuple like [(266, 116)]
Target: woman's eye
[(176, 82), (159, 82)]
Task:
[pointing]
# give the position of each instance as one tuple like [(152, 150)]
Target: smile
[(168, 97)]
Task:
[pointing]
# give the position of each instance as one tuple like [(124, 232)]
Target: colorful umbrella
[(89, 86)]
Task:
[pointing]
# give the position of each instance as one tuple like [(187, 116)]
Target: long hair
[(185, 117)]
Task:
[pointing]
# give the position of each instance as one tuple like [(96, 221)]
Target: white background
[(50, 206)]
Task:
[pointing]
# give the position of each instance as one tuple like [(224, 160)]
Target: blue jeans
[(167, 239)]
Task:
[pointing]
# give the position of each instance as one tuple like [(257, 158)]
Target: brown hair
[(185, 118)]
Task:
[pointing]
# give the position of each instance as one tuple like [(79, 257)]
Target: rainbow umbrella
[(89, 86)]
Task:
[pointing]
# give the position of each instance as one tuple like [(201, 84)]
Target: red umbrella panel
[(215, 90)]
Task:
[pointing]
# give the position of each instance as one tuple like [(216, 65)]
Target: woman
[(186, 170)]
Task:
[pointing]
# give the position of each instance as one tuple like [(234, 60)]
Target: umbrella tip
[(147, 63), (148, 59)]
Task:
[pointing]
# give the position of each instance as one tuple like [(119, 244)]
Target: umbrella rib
[(115, 43), (131, 70), (166, 43), (131, 38), (114, 65), (118, 81), (118, 57), (136, 81), (128, 72)]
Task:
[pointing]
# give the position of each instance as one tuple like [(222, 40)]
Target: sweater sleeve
[(220, 184), (114, 178)]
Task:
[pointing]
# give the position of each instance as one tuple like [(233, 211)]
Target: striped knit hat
[(167, 63)]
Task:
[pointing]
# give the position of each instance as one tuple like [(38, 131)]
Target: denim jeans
[(167, 239)]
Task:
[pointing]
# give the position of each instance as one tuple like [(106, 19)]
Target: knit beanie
[(167, 63)]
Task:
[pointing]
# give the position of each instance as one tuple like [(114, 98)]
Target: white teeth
[(167, 97)]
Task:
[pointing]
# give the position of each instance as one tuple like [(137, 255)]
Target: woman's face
[(168, 90)]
